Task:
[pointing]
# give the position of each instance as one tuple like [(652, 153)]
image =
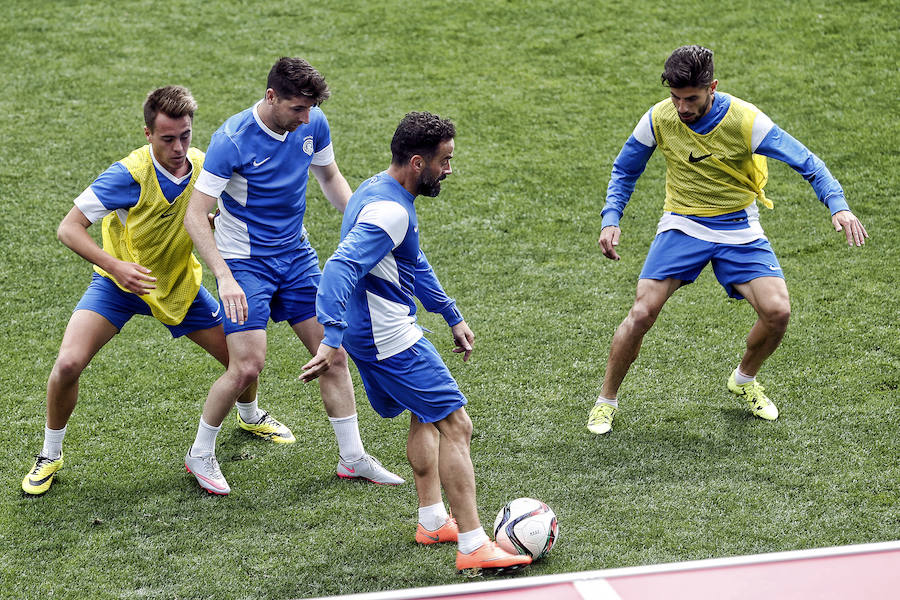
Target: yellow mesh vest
[(154, 237), (715, 173)]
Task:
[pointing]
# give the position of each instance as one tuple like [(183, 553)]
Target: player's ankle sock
[(346, 430), (610, 401), (205, 442), (470, 541), (249, 411), (740, 378), (53, 439), (432, 517)]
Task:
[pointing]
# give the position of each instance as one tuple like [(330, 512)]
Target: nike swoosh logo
[(434, 538), (695, 159), (218, 308), (257, 164), (169, 214), (349, 470), (774, 268), (39, 481)]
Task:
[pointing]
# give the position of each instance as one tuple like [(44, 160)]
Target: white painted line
[(596, 589)]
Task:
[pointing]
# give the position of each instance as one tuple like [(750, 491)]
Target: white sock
[(249, 411), (471, 541), (433, 517), (610, 401), (205, 442), (350, 445), (53, 439), (740, 378)]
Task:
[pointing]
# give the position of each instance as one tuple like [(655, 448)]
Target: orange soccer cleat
[(490, 558), (448, 532)]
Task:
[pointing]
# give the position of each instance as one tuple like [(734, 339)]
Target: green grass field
[(543, 95)]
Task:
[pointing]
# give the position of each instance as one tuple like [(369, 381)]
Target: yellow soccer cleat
[(752, 392), (448, 532), (601, 418), (490, 558), (268, 428), (40, 477)]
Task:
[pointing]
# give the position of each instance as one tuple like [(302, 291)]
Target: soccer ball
[(526, 526)]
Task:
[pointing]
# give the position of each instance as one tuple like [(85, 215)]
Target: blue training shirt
[(260, 179), (116, 190), (737, 227), (366, 298)]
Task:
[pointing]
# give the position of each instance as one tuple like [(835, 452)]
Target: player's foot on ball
[(367, 468), (268, 428), (752, 392), (448, 532), (490, 558), (206, 470), (601, 417), (40, 477)]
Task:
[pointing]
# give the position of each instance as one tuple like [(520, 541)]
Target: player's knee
[(641, 318), (777, 317), (246, 371), (339, 360), (68, 367), (458, 427)]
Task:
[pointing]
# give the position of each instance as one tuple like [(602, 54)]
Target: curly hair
[(419, 133), (688, 66), (292, 77), (172, 100)]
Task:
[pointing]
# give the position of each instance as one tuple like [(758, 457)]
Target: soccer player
[(715, 147), (257, 166), (366, 301), (144, 268)]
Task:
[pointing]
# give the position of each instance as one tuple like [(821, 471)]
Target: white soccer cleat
[(368, 468), (206, 470)]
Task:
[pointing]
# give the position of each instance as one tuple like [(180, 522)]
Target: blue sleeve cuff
[(836, 204), (452, 315), (333, 336), (610, 218)]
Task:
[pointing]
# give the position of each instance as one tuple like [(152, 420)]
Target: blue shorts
[(281, 287), (117, 306), (676, 255), (416, 380)]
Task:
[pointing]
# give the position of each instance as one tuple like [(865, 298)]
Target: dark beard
[(428, 187)]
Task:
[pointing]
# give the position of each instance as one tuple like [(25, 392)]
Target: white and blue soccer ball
[(526, 526)]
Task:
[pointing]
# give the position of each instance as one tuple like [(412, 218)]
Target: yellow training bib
[(154, 236)]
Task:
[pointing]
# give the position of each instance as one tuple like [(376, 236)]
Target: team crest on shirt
[(308, 145)]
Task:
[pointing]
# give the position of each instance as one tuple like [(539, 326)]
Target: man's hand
[(463, 338), (133, 277), (320, 363), (609, 239), (846, 221), (233, 299)]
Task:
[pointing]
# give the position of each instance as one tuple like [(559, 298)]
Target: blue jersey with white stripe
[(366, 298), (260, 179), (737, 227), (116, 190)]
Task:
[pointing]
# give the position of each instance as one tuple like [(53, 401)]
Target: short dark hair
[(419, 133), (688, 66), (292, 77), (172, 100)]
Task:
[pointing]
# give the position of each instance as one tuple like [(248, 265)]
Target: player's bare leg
[(626, 344), (213, 341), (769, 297), (86, 333), (339, 399), (651, 295), (457, 475), (422, 450)]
